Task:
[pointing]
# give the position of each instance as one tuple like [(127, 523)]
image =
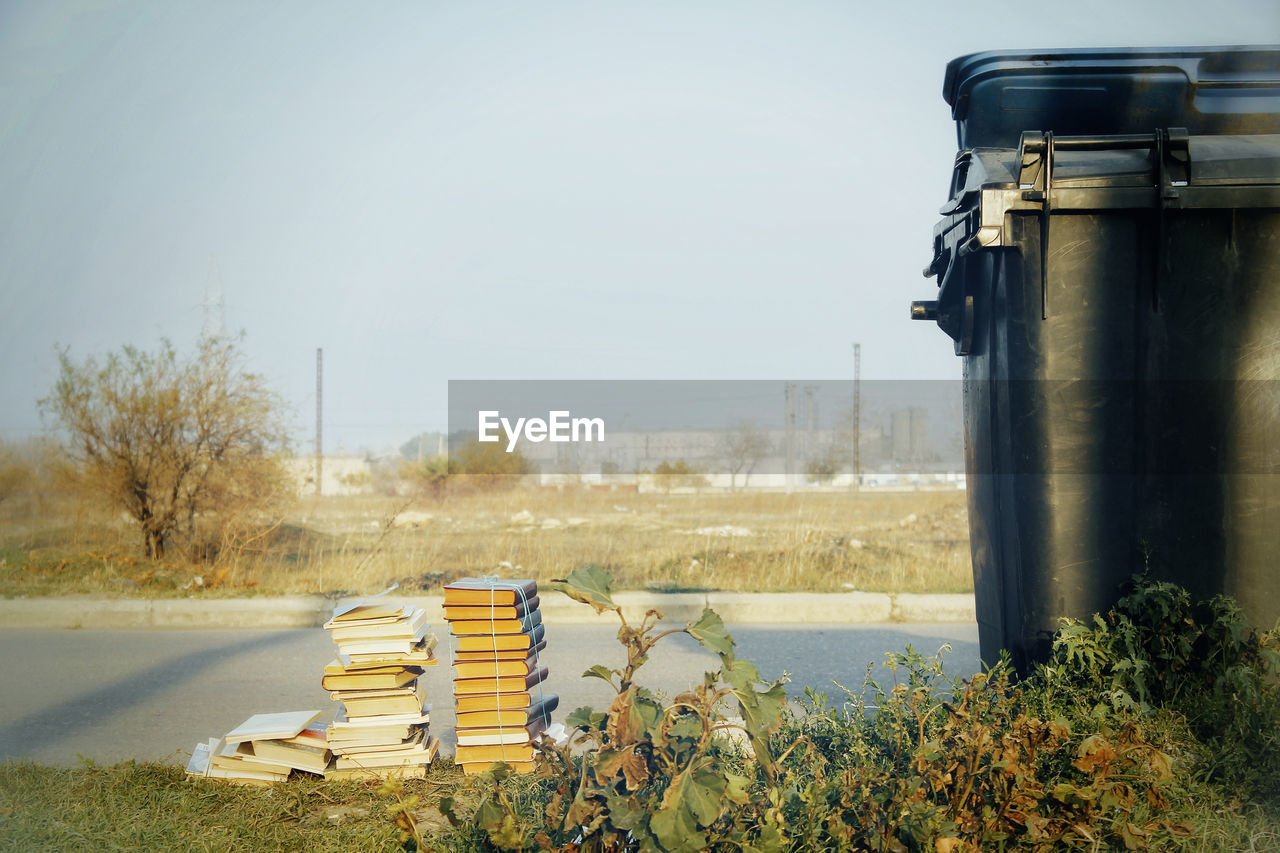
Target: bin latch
[(953, 309), (1174, 163)]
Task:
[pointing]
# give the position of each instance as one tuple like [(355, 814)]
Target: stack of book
[(263, 749), (497, 684), (382, 728)]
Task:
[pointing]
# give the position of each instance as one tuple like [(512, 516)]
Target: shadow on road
[(37, 730)]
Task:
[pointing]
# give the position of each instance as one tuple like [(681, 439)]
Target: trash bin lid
[(996, 95)]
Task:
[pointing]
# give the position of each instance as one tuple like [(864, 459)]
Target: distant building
[(909, 436), (342, 475)]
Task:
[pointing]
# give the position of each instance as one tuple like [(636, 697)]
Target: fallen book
[(237, 761), (508, 684), (485, 611), (200, 753), (490, 627), (245, 778), (501, 642), (514, 716), (272, 726), (473, 591), (308, 751)]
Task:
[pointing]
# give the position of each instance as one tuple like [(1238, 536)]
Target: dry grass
[(900, 542)]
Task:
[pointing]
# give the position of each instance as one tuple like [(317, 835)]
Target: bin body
[(1115, 297)]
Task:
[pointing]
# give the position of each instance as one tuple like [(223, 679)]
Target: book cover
[(499, 654), (485, 611), (413, 625), (342, 723), (298, 756), (377, 678), (509, 684), (476, 768), (473, 591), (394, 733), (383, 706), (344, 695), (409, 744), (489, 754), (494, 668), (335, 667), (382, 645), (272, 726), (248, 776), (412, 771), (503, 642), (520, 716), (490, 627), (493, 702), (368, 608), (421, 655), (419, 754), (240, 758), (506, 735), (200, 755)]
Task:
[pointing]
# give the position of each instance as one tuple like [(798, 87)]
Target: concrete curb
[(312, 611)]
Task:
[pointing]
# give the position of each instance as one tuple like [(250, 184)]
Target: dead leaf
[(635, 770)]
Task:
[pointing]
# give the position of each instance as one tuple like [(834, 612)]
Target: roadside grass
[(743, 541), (152, 806)]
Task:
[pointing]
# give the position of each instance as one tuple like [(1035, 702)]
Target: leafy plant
[(1157, 649), (647, 774), (1073, 757)]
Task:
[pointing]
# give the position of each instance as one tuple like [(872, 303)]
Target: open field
[(818, 542)]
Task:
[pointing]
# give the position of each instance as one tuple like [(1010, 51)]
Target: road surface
[(151, 695)]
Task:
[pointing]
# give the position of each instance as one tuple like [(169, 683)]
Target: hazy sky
[(496, 190)]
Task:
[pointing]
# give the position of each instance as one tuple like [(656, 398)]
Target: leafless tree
[(743, 446), (191, 449)]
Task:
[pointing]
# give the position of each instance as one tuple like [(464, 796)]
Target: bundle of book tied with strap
[(382, 728), (498, 680)]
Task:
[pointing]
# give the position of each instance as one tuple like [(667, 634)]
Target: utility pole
[(214, 327), (319, 419), (811, 422), (857, 416), (790, 423)]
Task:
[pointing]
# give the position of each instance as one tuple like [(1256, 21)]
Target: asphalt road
[(110, 696)]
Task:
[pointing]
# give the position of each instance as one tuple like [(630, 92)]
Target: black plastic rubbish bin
[(1109, 269)]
